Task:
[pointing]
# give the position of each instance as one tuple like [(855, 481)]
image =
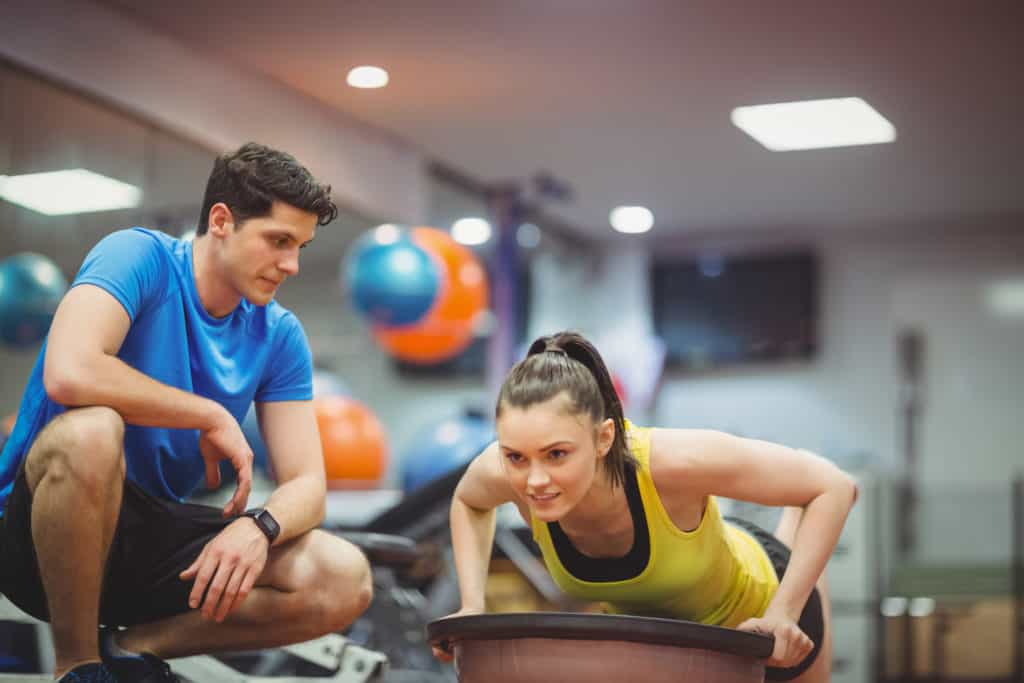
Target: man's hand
[(791, 644), (227, 569), (225, 441)]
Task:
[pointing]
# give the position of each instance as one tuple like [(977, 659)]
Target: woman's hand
[(791, 644), (444, 651)]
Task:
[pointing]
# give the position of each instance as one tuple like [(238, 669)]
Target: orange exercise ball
[(447, 328), (353, 441)]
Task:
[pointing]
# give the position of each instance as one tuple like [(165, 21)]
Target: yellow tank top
[(716, 574)]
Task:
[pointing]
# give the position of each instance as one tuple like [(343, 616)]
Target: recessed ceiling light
[(471, 231), (631, 219), (367, 77), (814, 124), (77, 190)]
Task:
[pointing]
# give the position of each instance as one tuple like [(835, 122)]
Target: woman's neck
[(603, 508)]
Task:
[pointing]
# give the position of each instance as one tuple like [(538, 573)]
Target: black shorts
[(155, 541), (812, 620)]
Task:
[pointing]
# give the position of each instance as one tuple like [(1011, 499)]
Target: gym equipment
[(441, 447), (390, 278), (42, 647), (31, 286), (581, 648), (353, 441), (447, 329)]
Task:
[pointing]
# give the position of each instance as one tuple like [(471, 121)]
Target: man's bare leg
[(314, 585), (75, 472)]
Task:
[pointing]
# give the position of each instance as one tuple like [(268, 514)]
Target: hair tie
[(555, 349)]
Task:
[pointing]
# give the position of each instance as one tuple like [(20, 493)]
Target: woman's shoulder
[(677, 455)]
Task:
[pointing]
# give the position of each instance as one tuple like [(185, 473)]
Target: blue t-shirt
[(255, 353)]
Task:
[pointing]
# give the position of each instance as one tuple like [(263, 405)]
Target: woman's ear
[(605, 436)]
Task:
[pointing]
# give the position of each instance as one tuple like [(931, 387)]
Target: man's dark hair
[(250, 179)]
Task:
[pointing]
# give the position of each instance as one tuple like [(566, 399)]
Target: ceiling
[(628, 101)]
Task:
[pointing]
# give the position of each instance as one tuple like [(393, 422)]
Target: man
[(152, 360)]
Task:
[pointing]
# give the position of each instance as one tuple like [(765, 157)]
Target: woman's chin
[(551, 511)]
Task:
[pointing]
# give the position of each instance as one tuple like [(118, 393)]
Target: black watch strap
[(265, 522)]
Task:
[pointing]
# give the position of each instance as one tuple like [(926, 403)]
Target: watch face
[(271, 524), (267, 524)]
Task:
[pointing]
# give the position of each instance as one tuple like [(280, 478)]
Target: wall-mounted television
[(718, 310)]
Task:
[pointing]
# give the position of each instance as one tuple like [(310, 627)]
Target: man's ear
[(221, 221)]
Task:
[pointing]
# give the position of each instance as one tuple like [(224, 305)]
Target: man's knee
[(85, 444), (344, 583)]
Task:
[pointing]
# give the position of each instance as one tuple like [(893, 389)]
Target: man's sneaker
[(131, 667), (93, 672), (145, 668)]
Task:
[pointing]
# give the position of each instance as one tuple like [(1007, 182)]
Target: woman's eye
[(557, 454), (513, 458)]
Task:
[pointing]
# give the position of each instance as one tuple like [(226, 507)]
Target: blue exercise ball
[(391, 280), (31, 286), (443, 447)]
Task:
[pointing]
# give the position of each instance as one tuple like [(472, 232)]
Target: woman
[(628, 516)]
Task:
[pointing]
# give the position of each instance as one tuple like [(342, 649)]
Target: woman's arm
[(704, 462), (482, 489)]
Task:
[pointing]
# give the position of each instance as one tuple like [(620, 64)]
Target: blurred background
[(601, 166)]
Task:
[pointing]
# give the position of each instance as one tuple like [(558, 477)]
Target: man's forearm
[(298, 505), (141, 400)]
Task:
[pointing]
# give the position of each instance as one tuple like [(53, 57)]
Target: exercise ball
[(31, 286), (442, 447), (353, 441), (391, 280), (447, 329)]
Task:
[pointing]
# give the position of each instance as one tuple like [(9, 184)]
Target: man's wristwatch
[(266, 522)]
